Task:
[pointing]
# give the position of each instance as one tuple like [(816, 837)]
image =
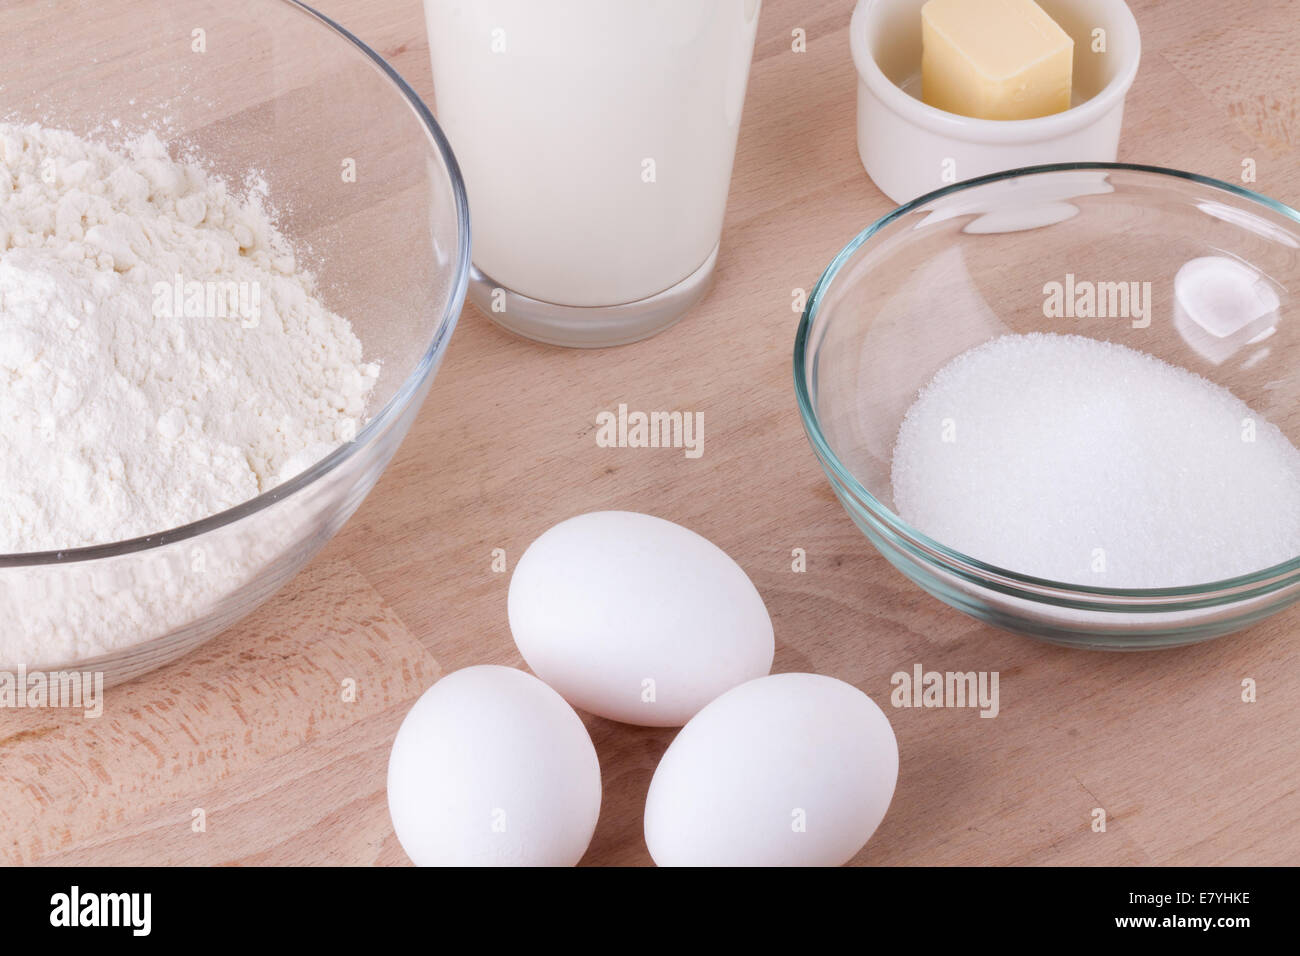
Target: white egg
[(492, 768), (786, 770), (637, 619)]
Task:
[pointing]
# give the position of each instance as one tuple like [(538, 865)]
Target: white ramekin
[(909, 148)]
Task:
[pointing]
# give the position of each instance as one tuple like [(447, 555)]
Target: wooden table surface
[(252, 730)]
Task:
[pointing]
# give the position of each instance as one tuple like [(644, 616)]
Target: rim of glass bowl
[(381, 420), (933, 552)]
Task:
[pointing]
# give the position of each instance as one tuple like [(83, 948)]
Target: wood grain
[(252, 729)]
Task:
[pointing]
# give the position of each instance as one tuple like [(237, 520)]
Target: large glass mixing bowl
[(365, 186), (975, 261)]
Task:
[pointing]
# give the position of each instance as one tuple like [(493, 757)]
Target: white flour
[(162, 359)]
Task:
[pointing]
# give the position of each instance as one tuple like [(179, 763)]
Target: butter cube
[(994, 59)]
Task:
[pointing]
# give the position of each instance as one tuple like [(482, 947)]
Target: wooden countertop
[(252, 730)]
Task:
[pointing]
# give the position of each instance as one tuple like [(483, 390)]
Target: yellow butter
[(994, 59)]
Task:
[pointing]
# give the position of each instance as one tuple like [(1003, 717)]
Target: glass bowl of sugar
[(1065, 401)]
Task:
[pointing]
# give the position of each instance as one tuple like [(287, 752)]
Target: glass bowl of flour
[(233, 248), (1064, 400)]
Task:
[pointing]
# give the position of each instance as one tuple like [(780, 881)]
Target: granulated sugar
[(1082, 461)]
